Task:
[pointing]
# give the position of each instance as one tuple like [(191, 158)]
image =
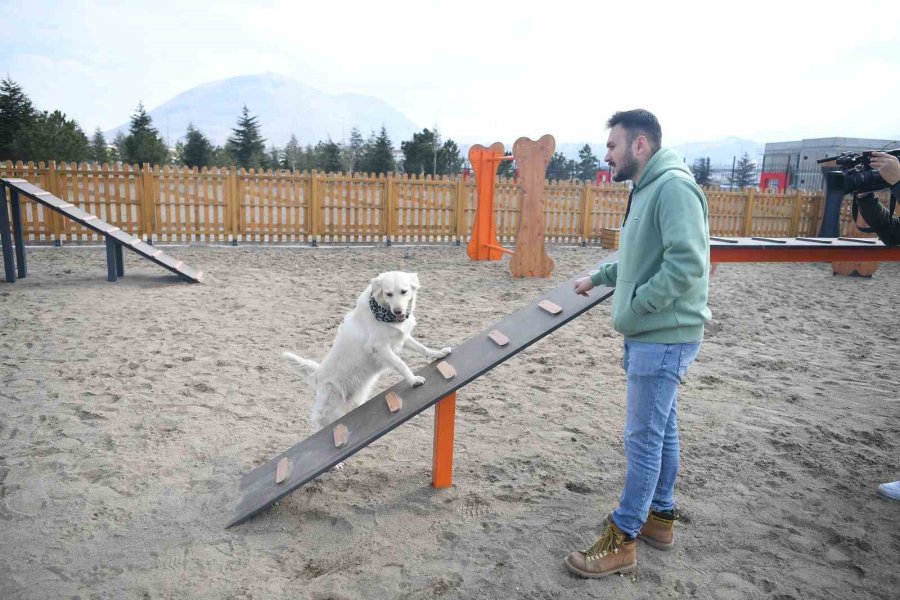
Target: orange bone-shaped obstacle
[(484, 244)]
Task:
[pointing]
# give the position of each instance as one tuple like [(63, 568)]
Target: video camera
[(856, 174)]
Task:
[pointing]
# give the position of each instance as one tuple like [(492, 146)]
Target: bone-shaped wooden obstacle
[(531, 258)]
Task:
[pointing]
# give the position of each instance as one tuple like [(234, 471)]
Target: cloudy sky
[(766, 71)]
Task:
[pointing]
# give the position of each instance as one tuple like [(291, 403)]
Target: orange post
[(442, 455), (484, 245)]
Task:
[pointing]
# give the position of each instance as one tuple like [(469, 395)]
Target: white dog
[(368, 342)]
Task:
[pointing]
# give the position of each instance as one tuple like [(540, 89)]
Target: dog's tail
[(308, 366)]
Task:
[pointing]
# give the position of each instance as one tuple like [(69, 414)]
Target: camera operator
[(878, 218)]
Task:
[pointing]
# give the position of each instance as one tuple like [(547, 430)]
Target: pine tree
[(379, 154), (328, 157), (99, 151), (702, 171), (507, 168), (353, 151), (420, 154), (587, 164), (143, 143), (247, 147), (197, 150), (293, 157), (51, 136), (16, 112), (744, 172), (557, 167)]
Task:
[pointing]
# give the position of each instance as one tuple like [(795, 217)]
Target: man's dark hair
[(636, 122)]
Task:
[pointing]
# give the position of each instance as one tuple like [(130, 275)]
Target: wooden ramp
[(116, 239), (471, 359)]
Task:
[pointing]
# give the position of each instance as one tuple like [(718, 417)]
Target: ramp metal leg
[(120, 261), (442, 455), (18, 235), (6, 238), (112, 269)]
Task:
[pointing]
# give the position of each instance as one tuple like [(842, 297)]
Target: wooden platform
[(113, 234)]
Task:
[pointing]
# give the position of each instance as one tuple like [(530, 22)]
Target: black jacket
[(879, 218)]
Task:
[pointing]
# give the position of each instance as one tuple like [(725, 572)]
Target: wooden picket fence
[(179, 204)]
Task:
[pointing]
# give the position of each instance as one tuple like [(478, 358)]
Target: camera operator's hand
[(888, 166)]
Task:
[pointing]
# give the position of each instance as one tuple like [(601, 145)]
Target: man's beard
[(627, 169)]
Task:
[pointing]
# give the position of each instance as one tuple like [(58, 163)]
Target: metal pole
[(18, 236), (6, 238)]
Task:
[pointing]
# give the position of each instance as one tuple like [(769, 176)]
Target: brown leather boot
[(659, 530), (612, 553)]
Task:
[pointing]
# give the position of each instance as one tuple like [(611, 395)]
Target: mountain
[(284, 107)]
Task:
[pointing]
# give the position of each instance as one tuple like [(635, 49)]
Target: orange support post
[(484, 244), (442, 456)]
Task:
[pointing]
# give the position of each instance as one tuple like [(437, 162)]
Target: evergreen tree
[(273, 158), (143, 143), (420, 154), (118, 149), (702, 171), (51, 136), (557, 167), (328, 157), (744, 173), (571, 169), (247, 147), (293, 157), (379, 155), (587, 164), (16, 112), (353, 151), (99, 151), (507, 168), (449, 160), (197, 150)]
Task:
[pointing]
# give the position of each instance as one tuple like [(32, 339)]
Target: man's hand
[(888, 166), (583, 286)]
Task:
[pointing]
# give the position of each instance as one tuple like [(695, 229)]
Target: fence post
[(234, 205), (149, 204), (389, 209), (314, 207), (748, 214), (460, 208), (56, 225), (795, 217), (586, 213)]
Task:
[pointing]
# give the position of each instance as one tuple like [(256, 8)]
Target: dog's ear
[(377, 288), (414, 281)]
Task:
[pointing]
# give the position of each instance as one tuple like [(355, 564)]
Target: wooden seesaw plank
[(474, 357)]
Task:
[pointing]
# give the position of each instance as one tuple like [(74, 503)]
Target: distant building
[(793, 164)]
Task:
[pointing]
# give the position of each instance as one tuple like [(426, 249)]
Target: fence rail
[(180, 204)]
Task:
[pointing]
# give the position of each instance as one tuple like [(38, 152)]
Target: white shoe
[(891, 490)]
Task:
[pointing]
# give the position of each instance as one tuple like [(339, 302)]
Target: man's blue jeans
[(651, 429)]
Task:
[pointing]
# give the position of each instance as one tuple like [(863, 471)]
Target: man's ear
[(414, 281)]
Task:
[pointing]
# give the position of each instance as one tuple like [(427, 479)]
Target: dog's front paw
[(440, 353), (416, 381)]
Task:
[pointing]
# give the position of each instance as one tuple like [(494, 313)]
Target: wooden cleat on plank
[(499, 338), (341, 435), (550, 307), (282, 470), (446, 369), (394, 401)]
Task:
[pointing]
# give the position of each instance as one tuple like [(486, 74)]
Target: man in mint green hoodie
[(662, 284)]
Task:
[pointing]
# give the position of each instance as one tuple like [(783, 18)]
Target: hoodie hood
[(663, 161)]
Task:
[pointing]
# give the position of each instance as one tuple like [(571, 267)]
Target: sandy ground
[(129, 412)]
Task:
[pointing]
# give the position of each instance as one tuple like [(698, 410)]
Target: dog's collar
[(383, 314)]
